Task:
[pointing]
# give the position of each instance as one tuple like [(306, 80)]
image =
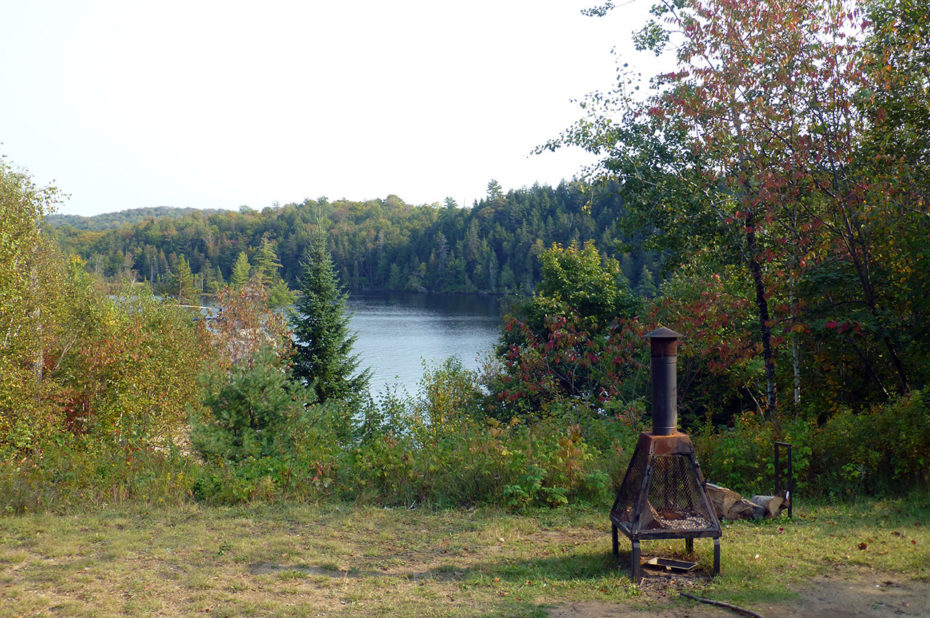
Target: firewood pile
[(730, 505)]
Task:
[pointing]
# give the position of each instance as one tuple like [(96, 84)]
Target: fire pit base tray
[(671, 565)]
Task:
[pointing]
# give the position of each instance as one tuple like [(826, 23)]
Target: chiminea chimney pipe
[(664, 347)]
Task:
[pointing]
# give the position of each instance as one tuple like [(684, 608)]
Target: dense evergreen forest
[(491, 247)]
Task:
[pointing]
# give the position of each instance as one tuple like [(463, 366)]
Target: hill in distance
[(133, 216)]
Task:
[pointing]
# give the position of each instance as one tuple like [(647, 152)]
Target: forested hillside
[(492, 247), (123, 217)]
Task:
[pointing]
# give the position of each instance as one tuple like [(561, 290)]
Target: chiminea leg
[(716, 556), (634, 563), (689, 546), (613, 534)]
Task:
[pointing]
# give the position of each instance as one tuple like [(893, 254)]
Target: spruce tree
[(183, 283), (265, 271), (266, 263), (240, 272), (323, 357)]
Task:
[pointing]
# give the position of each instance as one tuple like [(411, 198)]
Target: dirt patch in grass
[(862, 594), (870, 595)]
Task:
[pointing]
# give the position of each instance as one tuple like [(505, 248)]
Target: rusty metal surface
[(663, 344), (664, 341), (676, 443), (663, 490), (663, 495)]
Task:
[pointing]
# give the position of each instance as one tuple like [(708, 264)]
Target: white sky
[(128, 104)]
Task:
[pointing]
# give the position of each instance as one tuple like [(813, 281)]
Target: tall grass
[(67, 473)]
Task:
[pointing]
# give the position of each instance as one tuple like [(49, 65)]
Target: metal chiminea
[(663, 494)]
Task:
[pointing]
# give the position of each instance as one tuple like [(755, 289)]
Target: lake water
[(398, 331)]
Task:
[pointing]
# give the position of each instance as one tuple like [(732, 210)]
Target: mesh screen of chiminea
[(674, 497), (625, 505)]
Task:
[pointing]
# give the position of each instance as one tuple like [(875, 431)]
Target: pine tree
[(266, 273), (183, 284), (266, 263), (323, 358), (240, 272)]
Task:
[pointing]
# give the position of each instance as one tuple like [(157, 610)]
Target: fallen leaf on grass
[(863, 546)]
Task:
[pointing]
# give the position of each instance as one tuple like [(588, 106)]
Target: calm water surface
[(398, 331)]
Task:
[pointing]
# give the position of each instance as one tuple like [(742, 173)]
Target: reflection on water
[(398, 331)]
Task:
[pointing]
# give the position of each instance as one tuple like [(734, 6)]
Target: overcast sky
[(129, 104)]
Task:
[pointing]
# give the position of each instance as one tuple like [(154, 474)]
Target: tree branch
[(739, 610)]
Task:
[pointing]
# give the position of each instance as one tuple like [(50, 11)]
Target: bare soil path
[(861, 595)]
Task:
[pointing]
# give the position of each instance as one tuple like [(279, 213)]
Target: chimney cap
[(664, 333)]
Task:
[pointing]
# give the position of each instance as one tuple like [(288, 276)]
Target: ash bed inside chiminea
[(663, 494)]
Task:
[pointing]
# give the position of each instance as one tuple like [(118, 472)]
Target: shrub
[(248, 407), (440, 450), (244, 324), (741, 457), (885, 449), (263, 438), (576, 339), (133, 375)]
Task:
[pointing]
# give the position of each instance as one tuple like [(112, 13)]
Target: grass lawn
[(359, 560)]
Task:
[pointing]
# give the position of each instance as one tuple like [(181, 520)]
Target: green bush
[(742, 457), (263, 438), (610, 431), (544, 464), (885, 449), (441, 450)]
